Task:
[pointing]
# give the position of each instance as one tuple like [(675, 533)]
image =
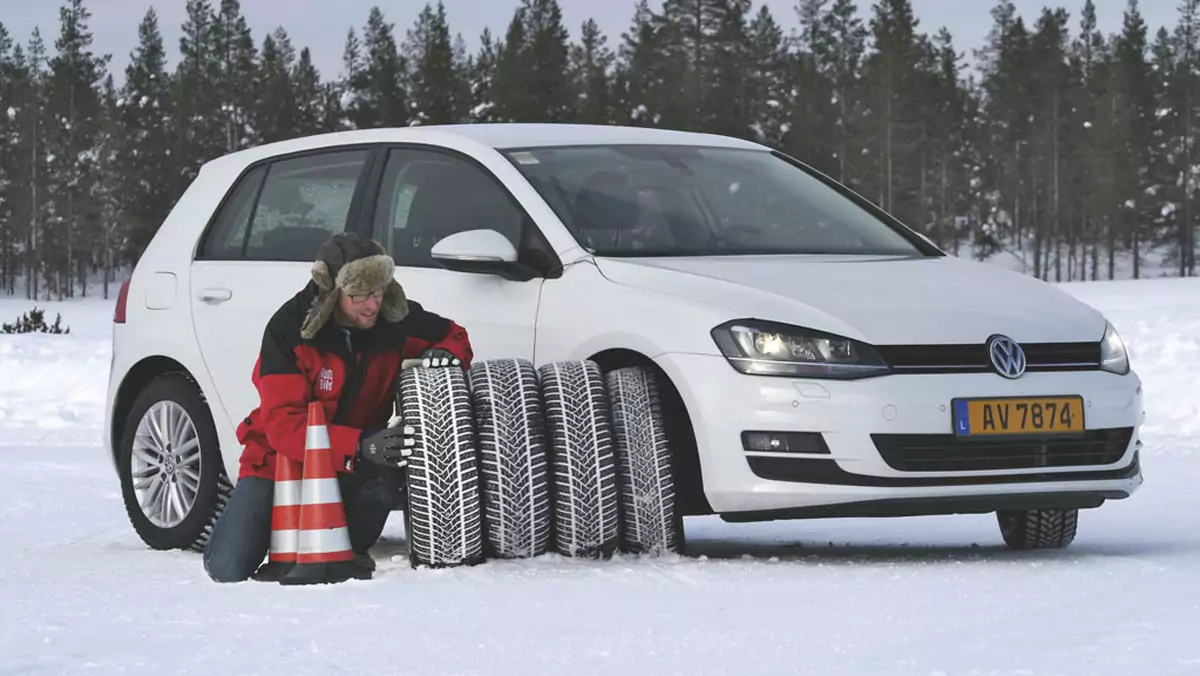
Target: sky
[(321, 25)]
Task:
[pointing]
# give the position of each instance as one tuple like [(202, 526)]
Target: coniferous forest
[(1063, 147)]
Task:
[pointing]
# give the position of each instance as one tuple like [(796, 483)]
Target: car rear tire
[(649, 519), (509, 426), (173, 482), (586, 506), (443, 521), (1038, 529)]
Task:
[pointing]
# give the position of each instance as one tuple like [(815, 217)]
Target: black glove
[(389, 447), (436, 357)]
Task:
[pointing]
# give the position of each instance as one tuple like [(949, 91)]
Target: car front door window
[(427, 196)]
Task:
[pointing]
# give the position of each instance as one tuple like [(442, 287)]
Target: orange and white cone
[(285, 520), (323, 552)]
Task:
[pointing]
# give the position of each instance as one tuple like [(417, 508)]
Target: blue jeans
[(241, 537)]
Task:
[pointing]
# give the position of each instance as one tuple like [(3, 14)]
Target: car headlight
[(765, 348), (1114, 358)]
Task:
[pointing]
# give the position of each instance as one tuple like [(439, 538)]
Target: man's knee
[(242, 534)]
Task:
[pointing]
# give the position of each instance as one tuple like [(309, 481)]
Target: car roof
[(496, 135), (521, 135)]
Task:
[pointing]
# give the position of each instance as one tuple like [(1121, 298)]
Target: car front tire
[(1038, 529), (173, 482), (651, 521)]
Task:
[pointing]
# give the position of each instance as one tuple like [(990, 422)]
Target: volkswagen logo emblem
[(1007, 356)]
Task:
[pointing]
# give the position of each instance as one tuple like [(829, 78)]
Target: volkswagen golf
[(810, 355)]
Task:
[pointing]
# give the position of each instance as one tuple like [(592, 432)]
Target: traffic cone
[(323, 553), (285, 520)]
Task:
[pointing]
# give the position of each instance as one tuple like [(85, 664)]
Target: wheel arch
[(136, 380), (692, 500)]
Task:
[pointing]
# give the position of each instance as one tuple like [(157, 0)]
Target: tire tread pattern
[(445, 525), (1039, 529), (644, 462), (578, 428), (510, 428)]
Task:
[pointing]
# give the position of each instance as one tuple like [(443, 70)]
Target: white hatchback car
[(816, 358)]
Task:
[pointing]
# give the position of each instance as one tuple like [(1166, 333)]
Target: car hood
[(878, 299)]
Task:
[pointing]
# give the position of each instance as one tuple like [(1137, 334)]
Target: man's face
[(360, 311)]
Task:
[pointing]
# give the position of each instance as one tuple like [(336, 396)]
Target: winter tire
[(650, 523), (586, 508), (509, 427), (1038, 529), (443, 519), (173, 481)]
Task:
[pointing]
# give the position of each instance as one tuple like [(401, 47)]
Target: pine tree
[(1185, 100), (73, 126), (31, 157), (235, 78), (1163, 195), (1093, 104), (895, 110), (143, 155), (481, 76), (767, 79), (1006, 70), (1050, 134), (309, 94), (684, 27), (440, 93), (641, 88), (591, 74), (839, 57), (551, 92), (111, 187), (511, 77), (727, 92), (947, 131), (275, 112), (1133, 117), (811, 100), (377, 96), (9, 177), (199, 125)]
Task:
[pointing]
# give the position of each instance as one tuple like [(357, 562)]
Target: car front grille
[(959, 358), (948, 453)]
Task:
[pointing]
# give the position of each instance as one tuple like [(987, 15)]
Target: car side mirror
[(481, 251)]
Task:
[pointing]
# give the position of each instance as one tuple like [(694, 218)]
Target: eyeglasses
[(360, 298)]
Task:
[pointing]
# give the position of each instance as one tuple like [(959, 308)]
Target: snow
[(904, 597)]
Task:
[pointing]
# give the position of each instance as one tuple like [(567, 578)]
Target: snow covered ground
[(80, 594)]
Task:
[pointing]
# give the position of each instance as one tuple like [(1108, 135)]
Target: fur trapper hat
[(353, 265)]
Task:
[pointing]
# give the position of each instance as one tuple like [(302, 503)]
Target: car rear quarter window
[(284, 210), (227, 237)]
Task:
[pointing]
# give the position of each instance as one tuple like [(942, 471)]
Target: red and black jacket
[(352, 373)]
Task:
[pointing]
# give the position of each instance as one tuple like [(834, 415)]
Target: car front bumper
[(861, 437)]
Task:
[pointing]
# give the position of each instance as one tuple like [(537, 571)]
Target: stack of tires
[(514, 462)]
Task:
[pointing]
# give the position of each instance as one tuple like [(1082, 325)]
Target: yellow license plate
[(1018, 415)]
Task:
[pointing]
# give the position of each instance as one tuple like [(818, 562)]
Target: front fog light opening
[(784, 442)]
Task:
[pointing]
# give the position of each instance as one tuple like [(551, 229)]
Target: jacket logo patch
[(325, 380)]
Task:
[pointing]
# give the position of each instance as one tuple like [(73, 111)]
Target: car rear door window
[(301, 203)]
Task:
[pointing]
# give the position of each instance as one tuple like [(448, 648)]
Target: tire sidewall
[(175, 388)]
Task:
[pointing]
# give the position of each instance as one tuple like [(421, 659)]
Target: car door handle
[(215, 296)]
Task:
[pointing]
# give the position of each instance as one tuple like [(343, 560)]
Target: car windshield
[(664, 200)]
